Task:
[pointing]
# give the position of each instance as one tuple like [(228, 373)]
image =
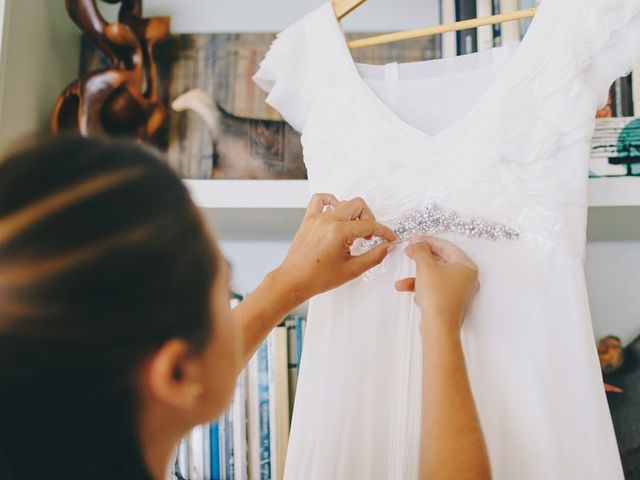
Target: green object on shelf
[(628, 148), (628, 144)]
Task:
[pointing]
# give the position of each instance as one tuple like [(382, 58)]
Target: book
[(249, 441), (214, 447), (301, 324), (206, 452), (230, 453), (264, 409), (239, 414), (497, 28), (283, 410), (253, 419), (484, 8), (622, 100), (510, 30), (182, 462), (196, 453), (292, 341), (279, 400), (467, 39), (225, 436), (449, 39), (222, 447)]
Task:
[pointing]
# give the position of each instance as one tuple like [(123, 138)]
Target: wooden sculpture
[(610, 354), (123, 99)]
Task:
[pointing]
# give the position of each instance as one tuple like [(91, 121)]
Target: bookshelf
[(251, 209), (272, 209)]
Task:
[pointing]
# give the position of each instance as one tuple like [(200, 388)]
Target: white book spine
[(273, 392), (253, 419), (183, 457), (206, 451), (485, 33), (240, 428), (282, 397), (196, 453), (448, 15), (510, 30), (222, 442)]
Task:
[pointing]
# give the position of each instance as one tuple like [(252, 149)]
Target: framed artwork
[(615, 148), (232, 133)]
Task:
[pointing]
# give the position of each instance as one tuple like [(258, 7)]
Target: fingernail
[(327, 207)]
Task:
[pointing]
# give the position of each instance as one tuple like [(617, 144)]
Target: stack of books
[(482, 38), (615, 148), (249, 441)]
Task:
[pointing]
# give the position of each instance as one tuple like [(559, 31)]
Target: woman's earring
[(197, 389)]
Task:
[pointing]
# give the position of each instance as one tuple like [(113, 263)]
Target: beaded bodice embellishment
[(433, 219)]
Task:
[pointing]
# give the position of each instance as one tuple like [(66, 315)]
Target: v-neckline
[(386, 110)]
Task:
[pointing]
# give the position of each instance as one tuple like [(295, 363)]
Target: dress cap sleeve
[(287, 74), (608, 42)]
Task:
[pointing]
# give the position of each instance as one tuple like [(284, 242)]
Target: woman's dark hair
[(103, 258)]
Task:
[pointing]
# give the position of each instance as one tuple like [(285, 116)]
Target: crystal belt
[(433, 219)]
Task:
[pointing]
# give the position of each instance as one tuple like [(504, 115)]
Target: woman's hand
[(319, 258), (446, 281), (452, 444)]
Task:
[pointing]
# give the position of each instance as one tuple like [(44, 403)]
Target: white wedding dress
[(489, 151)]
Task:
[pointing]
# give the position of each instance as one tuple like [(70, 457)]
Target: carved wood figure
[(123, 99)]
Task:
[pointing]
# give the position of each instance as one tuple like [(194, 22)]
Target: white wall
[(273, 15), (613, 279), (40, 51)]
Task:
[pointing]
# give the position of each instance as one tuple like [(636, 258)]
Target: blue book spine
[(263, 407), (214, 444), (497, 28)]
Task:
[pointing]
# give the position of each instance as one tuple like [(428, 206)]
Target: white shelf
[(614, 192), (614, 209), (249, 193), (272, 209)]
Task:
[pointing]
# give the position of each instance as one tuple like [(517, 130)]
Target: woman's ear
[(173, 376)]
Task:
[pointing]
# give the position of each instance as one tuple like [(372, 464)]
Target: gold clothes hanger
[(342, 8)]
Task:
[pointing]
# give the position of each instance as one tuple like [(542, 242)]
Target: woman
[(116, 336)]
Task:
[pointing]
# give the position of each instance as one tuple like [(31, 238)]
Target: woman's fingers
[(406, 285), (356, 215), (420, 252), (318, 202), (353, 209), (445, 250), (364, 229), (369, 259)]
